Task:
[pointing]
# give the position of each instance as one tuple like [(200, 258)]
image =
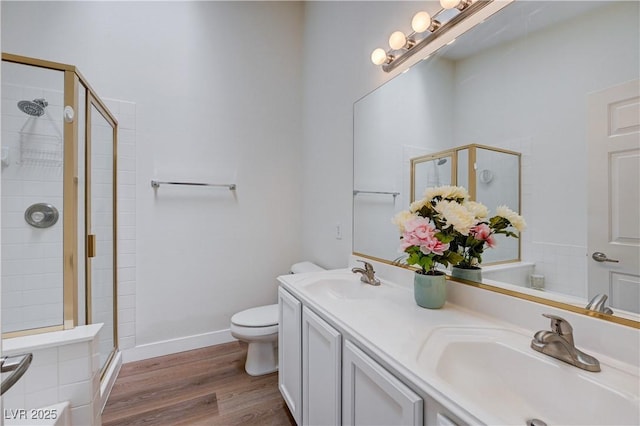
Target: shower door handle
[(18, 364), (91, 245), (601, 257)]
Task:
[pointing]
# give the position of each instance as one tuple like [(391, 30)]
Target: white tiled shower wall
[(31, 173), (125, 113)]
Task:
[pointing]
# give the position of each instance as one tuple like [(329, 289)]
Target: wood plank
[(206, 386)]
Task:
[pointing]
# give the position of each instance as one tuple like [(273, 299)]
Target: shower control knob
[(68, 114), (601, 257)]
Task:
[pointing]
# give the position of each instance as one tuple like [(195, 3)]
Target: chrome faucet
[(597, 304), (558, 343), (368, 274)]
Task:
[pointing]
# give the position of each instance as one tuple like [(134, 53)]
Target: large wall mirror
[(556, 83)]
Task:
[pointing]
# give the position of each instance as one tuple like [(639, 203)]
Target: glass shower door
[(101, 225), (33, 203)]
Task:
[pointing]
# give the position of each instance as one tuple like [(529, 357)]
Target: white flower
[(446, 192), (514, 218), (417, 205), (479, 210), (456, 215), (401, 218)]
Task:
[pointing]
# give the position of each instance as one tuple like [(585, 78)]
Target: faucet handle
[(367, 266), (559, 325)]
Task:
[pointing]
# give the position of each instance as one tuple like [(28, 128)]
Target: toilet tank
[(303, 267)]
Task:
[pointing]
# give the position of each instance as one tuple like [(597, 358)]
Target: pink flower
[(417, 231), (482, 232), (434, 246)]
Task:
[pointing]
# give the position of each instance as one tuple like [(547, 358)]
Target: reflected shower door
[(100, 222)]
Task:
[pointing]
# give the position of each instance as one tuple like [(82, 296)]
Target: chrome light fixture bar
[(403, 47)]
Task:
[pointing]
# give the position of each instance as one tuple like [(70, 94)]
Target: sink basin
[(495, 370), (343, 288)]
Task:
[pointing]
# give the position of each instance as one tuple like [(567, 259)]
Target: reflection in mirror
[(490, 175), (522, 81), (431, 170)]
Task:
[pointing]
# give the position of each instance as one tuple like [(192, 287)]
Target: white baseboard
[(166, 347)]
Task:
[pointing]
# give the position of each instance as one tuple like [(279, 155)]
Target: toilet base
[(262, 358)]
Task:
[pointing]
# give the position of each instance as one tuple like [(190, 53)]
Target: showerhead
[(34, 108), (441, 161)]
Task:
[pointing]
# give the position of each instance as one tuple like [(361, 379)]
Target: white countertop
[(394, 330)]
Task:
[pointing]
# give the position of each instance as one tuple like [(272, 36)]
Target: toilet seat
[(260, 317)]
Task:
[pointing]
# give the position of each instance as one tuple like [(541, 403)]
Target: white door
[(373, 396), (614, 195), (321, 362), (289, 352)]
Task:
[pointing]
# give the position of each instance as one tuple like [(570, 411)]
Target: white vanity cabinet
[(324, 383), (373, 396), (321, 361), (290, 352)]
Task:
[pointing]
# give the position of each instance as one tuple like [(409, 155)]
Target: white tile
[(45, 357), (126, 288), (73, 351), (77, 393), (126, 150), (14, 397), (75, 370), (127, 136), (112, 105), (127, 342), (126, 315), (41, 398), (126, 329), (127, 107), (39, 378), (126, 260), (126, 301), (82, 415), (124, 274)]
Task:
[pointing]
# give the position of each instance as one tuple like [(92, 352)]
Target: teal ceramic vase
[(473, 273), (430, 291)]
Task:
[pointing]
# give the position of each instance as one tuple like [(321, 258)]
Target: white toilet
[(259, 328)]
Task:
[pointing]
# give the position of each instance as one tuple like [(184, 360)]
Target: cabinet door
[(289, 352), (372, 396), (321, 352)]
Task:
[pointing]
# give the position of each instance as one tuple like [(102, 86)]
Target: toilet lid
[(262, 316)]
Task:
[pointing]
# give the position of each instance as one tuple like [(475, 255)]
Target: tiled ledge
[(17, 345)]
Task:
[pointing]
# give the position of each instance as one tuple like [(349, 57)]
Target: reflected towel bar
[(357, 191), (231, 186)]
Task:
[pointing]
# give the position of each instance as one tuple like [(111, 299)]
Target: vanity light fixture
[(425, 29), (458, 4)]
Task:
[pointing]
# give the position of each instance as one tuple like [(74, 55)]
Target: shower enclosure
[(491, 175), (58, 203)]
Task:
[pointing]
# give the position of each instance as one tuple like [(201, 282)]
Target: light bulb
[(397, 40), (421, 22), (449, 4), (378, 56)]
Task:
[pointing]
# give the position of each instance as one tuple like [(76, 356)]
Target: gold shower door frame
[(74, 81)]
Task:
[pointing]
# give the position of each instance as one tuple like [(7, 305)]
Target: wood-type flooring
[(205, 386)]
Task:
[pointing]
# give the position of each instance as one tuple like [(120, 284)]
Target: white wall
[(220, 96), (339, 39), (217, 87)]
